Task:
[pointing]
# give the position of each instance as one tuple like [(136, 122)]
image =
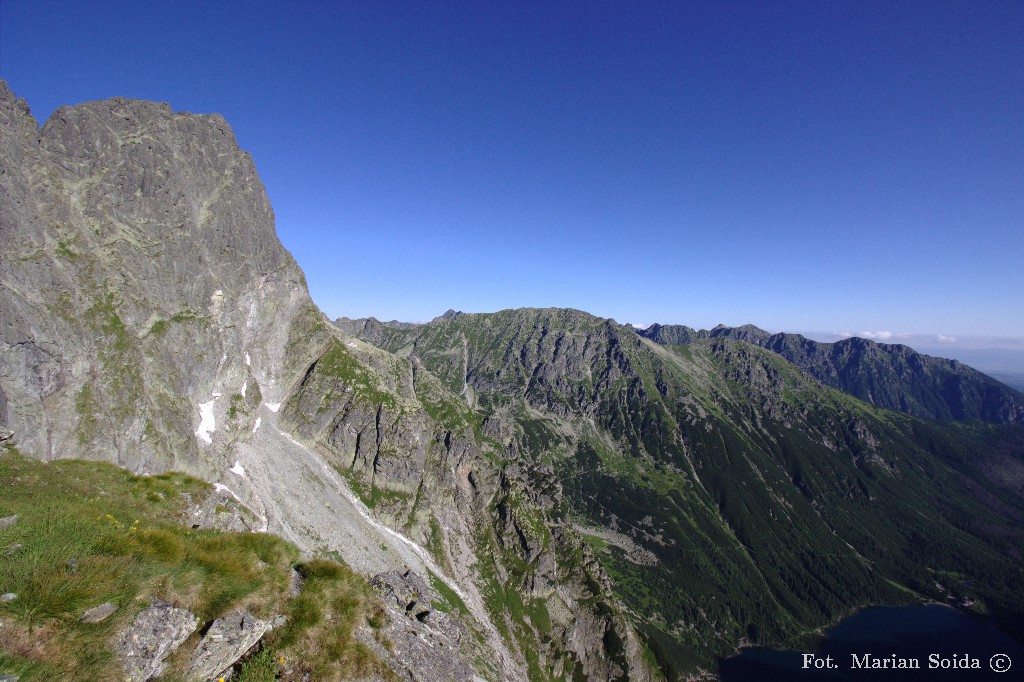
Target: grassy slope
[(124, 536)]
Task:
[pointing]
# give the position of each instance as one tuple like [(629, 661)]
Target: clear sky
[(825, 165)]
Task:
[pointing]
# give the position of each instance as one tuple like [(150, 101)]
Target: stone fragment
[(8, 521), (295, 584), (98, 613), (8, 596)]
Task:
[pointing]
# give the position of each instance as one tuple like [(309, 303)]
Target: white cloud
[(883, 336), (842, 335), (947, 339)]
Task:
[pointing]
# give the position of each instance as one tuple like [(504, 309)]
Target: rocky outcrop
[(219, 511), (420, 640), (405, 590), (226, 641), (153, 636)]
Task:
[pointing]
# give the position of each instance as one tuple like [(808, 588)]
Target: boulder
[(225, 642), (154, 634)]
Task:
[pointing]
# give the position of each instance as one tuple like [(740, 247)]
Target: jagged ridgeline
[(579, 500)]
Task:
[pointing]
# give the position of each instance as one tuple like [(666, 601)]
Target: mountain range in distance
[(534, 494)]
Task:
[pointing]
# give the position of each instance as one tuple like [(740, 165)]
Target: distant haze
[(999, 357)]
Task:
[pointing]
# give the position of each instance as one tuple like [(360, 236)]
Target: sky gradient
[(838, 166)]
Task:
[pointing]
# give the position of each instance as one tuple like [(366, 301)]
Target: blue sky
[(837, 166)]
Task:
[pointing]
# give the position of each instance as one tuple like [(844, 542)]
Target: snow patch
[(238, 469), (245, 385), (216, 395), (352, 344), (221, 488), (207, 422), (248, 360), (273, 407), (259, 420)]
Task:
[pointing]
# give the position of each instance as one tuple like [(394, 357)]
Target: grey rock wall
[(141, 278)]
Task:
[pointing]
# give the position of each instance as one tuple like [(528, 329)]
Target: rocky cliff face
[(146, 298)]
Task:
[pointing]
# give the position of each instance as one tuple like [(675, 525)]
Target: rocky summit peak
[(141, 268), (449, 314)]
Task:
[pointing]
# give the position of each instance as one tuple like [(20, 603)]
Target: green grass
[(186, 315), (123, 535), (64, 251), (337, 362), (446, 600)]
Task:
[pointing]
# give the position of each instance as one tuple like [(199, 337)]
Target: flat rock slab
[(98, 613), (8, 521), (225, 642), (8, 596), (156, 632)]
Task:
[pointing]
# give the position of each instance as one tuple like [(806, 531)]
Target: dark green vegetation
[(89, 533), (771, 502)]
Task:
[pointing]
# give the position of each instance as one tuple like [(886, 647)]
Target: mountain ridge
[(934, 387), (693, 429)]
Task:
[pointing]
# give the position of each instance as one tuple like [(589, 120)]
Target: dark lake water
[(934, 636)]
